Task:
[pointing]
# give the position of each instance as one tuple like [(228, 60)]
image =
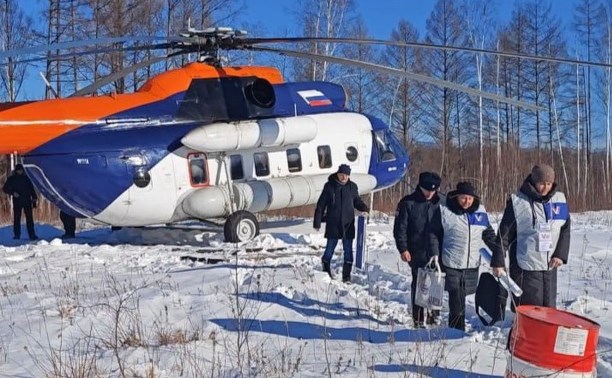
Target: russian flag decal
[(314, 98)]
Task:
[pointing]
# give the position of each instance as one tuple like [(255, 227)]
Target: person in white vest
[(535, 231), (458, 231)]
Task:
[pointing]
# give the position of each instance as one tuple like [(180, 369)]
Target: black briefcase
[(491, 299)]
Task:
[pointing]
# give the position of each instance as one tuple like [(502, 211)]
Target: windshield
[(385, 149)]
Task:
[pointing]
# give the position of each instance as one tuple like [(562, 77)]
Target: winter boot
[(327, 268), (346, 272)]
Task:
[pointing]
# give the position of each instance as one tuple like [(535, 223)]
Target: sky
[(180, 294), (381, 16), (275, 18)]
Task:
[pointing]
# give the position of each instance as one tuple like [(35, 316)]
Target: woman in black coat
[(337, 203)]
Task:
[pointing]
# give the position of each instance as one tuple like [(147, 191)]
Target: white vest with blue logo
[(528, 215), (463, 237)]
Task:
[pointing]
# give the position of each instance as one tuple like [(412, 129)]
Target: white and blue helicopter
[(203, 141)]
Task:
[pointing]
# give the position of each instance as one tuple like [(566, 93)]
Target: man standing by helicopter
[(337, 204), (19, 186), (414, 213)]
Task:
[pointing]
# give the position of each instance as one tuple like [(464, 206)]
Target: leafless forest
[(463, 137)]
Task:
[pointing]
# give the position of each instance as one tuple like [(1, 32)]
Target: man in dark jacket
[(21, 189), (535, 230), (412, 217), (337, 203)]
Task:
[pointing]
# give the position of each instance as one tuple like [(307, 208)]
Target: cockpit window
[(384, 147)]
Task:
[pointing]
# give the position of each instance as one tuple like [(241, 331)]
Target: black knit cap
[(343, 168), (466, 188), (429, 180)]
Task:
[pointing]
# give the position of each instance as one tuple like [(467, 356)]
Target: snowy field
[(159, 302)]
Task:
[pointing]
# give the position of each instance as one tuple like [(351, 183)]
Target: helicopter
[(204, 141)]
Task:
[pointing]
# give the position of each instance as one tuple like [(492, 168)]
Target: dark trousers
[(418, 312), (539, 287), (69, 223), (27, 210), (459, 283)]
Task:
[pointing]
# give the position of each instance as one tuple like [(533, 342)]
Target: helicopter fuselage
[(222, 144)]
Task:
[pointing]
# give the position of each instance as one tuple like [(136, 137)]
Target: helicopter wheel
[(240, 226)]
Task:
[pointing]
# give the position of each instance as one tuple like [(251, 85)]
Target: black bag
[(491, 297)]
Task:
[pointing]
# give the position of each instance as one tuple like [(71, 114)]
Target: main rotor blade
[(115, 76), (159, 46), (82, 43), (254, 41), (397, 72)]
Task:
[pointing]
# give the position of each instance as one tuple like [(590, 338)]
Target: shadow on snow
[(310, 307), (308, 331), (430, 371)]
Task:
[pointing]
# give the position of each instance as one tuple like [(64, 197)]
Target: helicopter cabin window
[(351, 153), (262, 164), (294, 160), (385, 150), (197, 169), (236, 171), (324, 154)]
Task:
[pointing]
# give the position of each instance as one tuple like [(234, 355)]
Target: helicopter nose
[(389, 156), (389, 173)]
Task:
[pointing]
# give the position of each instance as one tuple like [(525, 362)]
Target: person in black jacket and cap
[(412, 217), (535, 232), (337, 203), (19, 186)]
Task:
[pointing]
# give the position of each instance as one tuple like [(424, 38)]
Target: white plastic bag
[(430, 286)]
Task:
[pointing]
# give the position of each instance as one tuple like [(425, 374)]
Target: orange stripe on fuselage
[(26, 126)]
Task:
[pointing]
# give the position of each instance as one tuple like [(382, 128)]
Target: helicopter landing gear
[(240, 226)]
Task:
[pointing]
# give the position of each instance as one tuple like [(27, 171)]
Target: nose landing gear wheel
[(240, 226)]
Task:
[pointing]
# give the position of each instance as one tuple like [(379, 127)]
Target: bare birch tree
[(445, 26), (14, 33), (480, 23), (322, 18)]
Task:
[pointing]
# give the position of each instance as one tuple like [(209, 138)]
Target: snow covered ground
[(161, 302)]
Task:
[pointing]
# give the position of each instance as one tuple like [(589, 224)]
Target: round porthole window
[(351, 153), (142, 177)]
